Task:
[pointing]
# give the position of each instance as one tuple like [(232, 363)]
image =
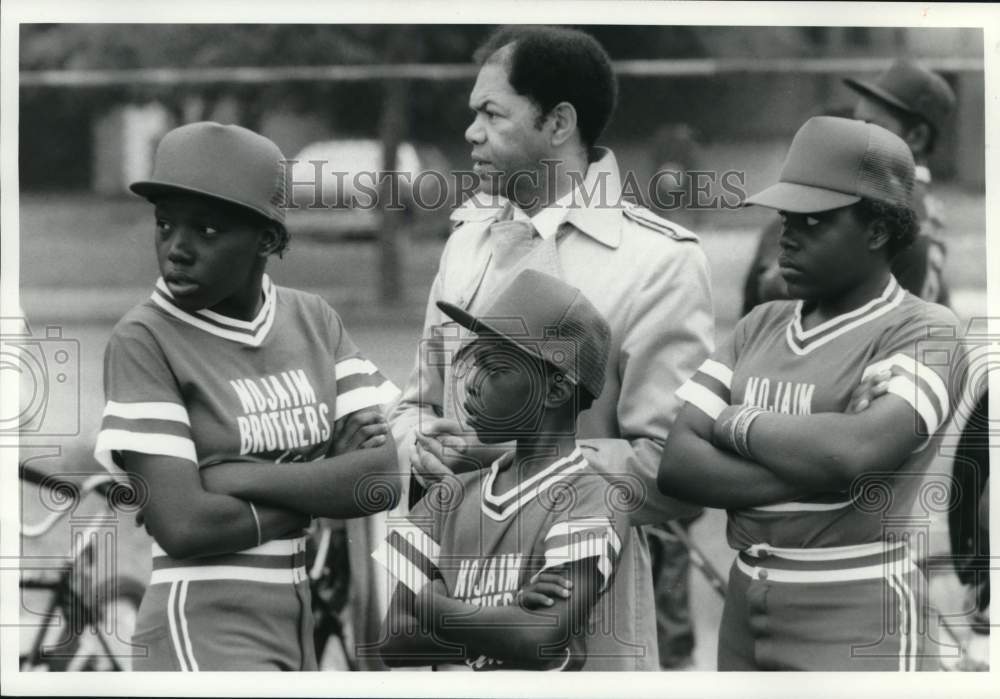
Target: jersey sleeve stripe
[(908, 391), (598, 547), (919, 386), (400, 568), (565, 533), (576, 525), (933, 386), (417, 537), (718, 371), (934, 383), (408, 546), (147, 411), (712, 384), (146, 426), (413, 572), (109, 441), (352, 366), (365, 397), (701, 398), (923, 392), (356, 381)]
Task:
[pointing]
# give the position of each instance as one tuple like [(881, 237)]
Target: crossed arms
[(204, 512), (794, 455), (429, 627)]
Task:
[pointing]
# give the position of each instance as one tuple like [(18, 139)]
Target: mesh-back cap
[(225, 162), (550, 320), (834, 162)]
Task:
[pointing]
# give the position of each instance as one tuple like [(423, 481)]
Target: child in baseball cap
[(243, 406), (852, 182), (533, 532), (548, 336), (771, 429)]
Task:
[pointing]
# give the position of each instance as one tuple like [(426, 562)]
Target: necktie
[(511, 241)]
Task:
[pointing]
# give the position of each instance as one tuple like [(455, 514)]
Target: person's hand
[(362, 429), (870, 389), (437, 450), (543, 590), (451, 435), (428, 461)]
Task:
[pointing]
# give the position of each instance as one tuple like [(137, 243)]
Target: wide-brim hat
[(225, 162), (835, 162)]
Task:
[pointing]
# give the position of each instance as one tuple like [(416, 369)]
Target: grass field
[(85, 260)]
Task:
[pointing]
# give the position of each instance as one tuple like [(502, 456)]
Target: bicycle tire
[(100, 648)]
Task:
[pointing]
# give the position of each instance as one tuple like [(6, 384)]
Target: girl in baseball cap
[(815, 479), (243, 407)]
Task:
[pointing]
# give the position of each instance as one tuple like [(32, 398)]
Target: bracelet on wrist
[(256, 522), (744, 420)]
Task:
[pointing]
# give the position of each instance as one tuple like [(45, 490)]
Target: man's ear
[(563, 119), (560, 391), (270, 241)]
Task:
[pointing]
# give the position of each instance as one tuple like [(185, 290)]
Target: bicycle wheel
[(105, 644)]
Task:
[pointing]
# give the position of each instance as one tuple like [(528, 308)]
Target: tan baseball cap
[(225, 162), (835, 162), (550, 320)]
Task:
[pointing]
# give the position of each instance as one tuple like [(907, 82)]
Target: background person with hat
[(770, 433), (913, 103), (551, 200), (241, 406), (525, 552)]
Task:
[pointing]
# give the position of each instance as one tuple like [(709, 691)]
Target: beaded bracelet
[(256, 522)]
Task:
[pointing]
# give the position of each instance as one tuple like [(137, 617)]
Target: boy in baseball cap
[(242, 405), (533, 535)]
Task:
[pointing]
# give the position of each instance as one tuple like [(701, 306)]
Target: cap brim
[(151, 190), (481, 328), (465, 319), (868, 89), (800, 198)]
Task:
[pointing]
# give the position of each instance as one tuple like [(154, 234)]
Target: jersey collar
[(505, 505), (252, 332), (805, 341)]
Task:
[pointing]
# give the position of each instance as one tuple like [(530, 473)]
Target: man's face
[(508, 142)]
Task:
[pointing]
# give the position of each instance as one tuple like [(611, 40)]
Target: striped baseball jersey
[(206, 388), (772, 362), (485, 546)]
